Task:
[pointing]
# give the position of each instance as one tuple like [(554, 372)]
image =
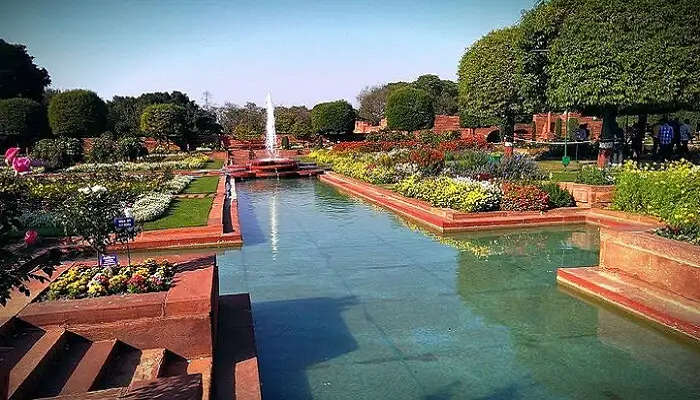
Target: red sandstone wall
[(446, 123)]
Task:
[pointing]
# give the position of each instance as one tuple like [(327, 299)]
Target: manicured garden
[(182, 213)]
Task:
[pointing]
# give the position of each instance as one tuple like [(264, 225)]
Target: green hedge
[(409, 109), (77, 113), (22, 120), (335, 117), (164, 122)]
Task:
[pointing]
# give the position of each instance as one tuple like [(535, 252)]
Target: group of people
[(670, 134)]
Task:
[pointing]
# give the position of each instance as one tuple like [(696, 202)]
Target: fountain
[(274, 166)]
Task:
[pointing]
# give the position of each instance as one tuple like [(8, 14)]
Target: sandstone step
[(25, 374), (149, 366), (91, 365), (120, 367)]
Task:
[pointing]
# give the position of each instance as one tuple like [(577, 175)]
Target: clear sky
[(303, 51)]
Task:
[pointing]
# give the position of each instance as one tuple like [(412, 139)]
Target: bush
[(58, 153), (428, 161), (164, 122), (151, 206), (671, 193), (571, 127), (519, 167), (558, 197), (523, 198), (409, 109), (22, 120), (434, 138), (77, 113), (591, 175), (558, 130), (335, 117), (463, 195), (104, 149), (389, 136), (129, 148)]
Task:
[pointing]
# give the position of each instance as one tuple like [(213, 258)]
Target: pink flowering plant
[(90, 281)]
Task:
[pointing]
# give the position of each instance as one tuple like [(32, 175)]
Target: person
[(618, 146), (666, 136), (637, 140), (685, 133), (655, 137)]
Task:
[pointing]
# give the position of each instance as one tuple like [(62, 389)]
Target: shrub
[(178, 183), (409, 109), (571, 127), (591, 175), (558, 197), (463, 195), (558, 129), (433, 138), (104, 149), (22, 120), (671, 193), (515, 168), (523, 198), (335, 117), (151, 206), (389, 136), (466, 162), (428, 161), (129, 148), (58, 153), (77, 113), (164, 122)]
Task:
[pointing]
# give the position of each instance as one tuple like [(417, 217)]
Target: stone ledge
[(662, 307)]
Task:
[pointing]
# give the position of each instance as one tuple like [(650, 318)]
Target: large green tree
[(164, 122), (294, 120), (628, 56), (409, 109), (491, 81), (334, 117), (77, 113), (19, 76), (443, 92), (22, 120), (243, 123)]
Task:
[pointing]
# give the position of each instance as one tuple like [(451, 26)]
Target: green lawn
[(205, 184), (559, 173), (214, 164), (183, 213)]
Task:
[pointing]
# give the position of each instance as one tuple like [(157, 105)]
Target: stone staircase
[(57, 363)]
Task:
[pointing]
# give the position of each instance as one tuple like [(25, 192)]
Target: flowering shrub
[(459, 194), (195, 161), (83, 281), (671, 193), (465, 143), (523, 198), (389, 136), (558, 197), (430, 137), (178, 183), (592, 175), (151, 206), (428, 161)]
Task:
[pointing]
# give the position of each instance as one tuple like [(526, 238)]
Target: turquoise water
[(351, 302)]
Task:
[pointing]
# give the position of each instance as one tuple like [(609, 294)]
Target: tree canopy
[(409, 109), (295, 120), (77, 113), (22, 120), (492, 80), (443, 92), (164, 122), (334, 117), (243, 123), (19, 76)]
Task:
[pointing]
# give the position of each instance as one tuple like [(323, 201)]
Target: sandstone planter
[(599, 196)]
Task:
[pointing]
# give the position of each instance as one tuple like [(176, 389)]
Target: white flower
[(98, 188), (84, 190)]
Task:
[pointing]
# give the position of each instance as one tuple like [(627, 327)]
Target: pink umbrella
[(10, 155), (21, 164)]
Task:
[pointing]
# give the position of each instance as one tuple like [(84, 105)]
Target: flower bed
[(458, 194), (196, 161), (83, 281), (670, 192), (151, 206)]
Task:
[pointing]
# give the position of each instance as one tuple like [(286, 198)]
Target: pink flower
[(21, 164), (30, 237), (10, 155)]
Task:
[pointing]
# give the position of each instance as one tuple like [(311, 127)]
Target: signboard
[(109, 260), (123, 222), (566, 160)]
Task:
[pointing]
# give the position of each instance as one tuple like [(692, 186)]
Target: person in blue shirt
[(666, 136)]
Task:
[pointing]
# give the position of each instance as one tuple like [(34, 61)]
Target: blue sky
[(303, 51)]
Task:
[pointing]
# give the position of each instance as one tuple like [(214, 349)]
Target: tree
[(164, 122), (409, 109), (372, 100), (243, 123), (334, 117), (77, 113), (294, 120), (19, 76), (491, 80), (22, 120), (629, 56)]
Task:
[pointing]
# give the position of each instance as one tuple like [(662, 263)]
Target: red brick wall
[(544, 133), (446, 123)]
